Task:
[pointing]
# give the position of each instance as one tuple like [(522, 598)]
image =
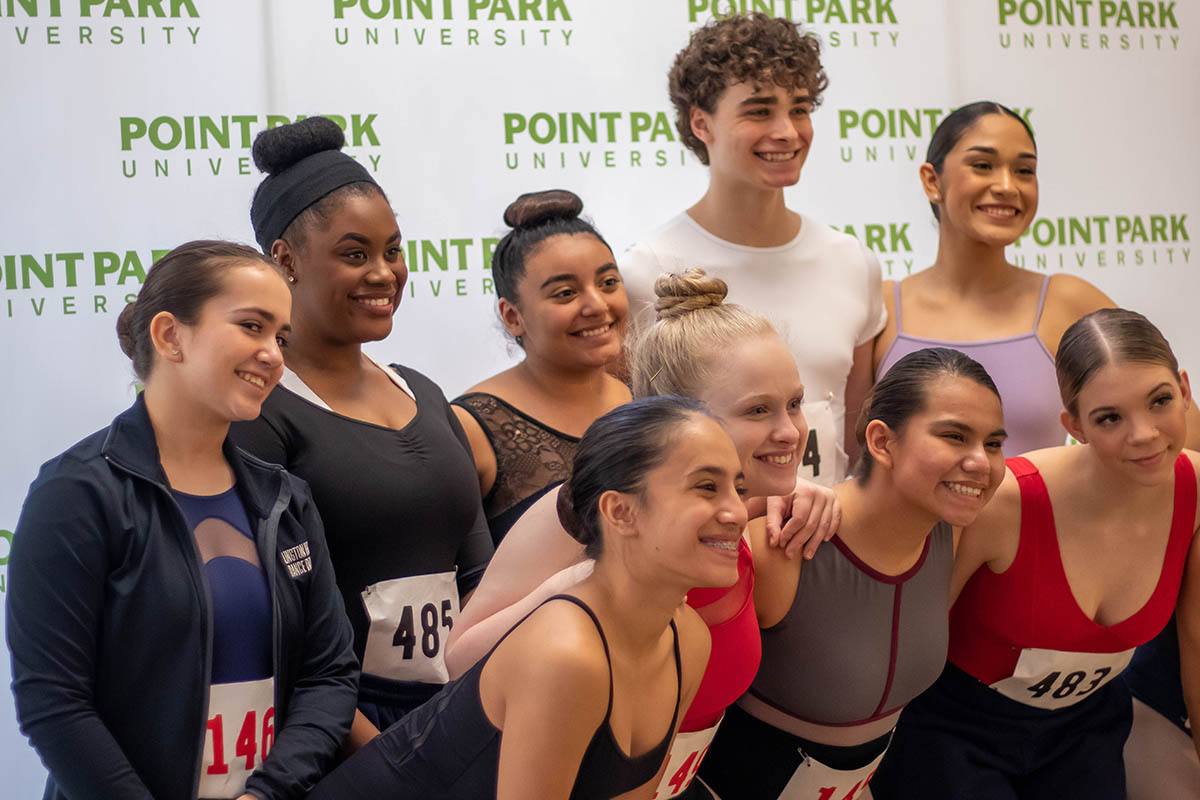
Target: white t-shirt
[(821, 290)]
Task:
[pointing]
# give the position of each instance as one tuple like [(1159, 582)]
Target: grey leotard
[(857, 645)]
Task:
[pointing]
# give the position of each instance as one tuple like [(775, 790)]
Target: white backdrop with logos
[(129, 125)]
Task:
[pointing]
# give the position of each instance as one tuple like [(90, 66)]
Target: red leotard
[(736, 649), (1030, 605)]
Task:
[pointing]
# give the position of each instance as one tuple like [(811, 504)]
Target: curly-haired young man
[(743, 89)]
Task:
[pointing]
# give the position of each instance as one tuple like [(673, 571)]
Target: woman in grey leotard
[(853, 635)]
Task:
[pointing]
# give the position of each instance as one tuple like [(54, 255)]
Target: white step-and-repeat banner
[(128, 126)]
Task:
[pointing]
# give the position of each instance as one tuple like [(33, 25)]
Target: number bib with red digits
[(687, 751), (813, 780), (238, 736), (819, 454), (1056, 679), (410, 620)]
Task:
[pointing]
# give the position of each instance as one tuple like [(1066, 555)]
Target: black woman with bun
[(581, 698), (388, 463), (172, 615), (561, 298)]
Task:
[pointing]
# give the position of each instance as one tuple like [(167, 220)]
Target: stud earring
[(291, 278), (937, 198)]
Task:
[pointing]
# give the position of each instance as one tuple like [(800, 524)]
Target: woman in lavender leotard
[(980, 176)]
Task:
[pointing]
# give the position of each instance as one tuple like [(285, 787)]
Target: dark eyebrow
[(965, 428), (566, 276), (714, 470), (358, 237), (262, 312), (1156, 388), (991, 151), (606, 267)]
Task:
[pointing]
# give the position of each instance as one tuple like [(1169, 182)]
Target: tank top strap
[(1184, 517), (603, 641), (1037, 514), (678, 678), (896, 306), (1037, 319)]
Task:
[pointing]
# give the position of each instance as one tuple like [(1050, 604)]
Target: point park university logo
[(1073, 25), (452, 23), (891, 135), (214, 146), (104, 23), (839, 23), (591, 140)]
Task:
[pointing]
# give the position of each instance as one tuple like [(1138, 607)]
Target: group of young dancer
[(738, 525)]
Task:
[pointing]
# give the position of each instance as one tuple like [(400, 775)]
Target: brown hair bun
[(533, 208)]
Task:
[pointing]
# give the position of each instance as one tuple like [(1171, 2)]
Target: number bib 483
[(687, 751), (239, 734), (1056, 679), (820, 452), (410, 619), (813, 780)]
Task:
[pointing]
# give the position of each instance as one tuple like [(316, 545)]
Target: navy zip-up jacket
[(110, 626)]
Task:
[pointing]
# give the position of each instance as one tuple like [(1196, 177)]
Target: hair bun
[(680, 294), (567, 515), (533, 208), (125, 333), (276, 149)]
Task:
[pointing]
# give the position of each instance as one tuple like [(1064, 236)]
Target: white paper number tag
[(687, 751), (238, 737), (820, 453), (813, 780), (1057, 679), (410, 619)]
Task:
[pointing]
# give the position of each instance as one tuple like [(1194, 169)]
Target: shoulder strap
[(604, 641), (1184, 518), (1037, 320), (896, 305), (678, 678)]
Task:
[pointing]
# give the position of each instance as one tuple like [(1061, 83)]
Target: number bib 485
[(813, 780), (410, 619), (1056, 679), (239, 734), (820, 452), (687, 751)]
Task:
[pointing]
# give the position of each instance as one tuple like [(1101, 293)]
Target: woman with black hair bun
[(561, 298), (980, 177), (582, 697), (388, 463)]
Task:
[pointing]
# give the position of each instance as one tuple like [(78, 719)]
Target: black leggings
[(751, 759), (962, 739)]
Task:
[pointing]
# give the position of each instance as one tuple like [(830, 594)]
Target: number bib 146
[(1056, 679), (813, 780), (238, 736), (687, 751), (820, 452), (410, 619)]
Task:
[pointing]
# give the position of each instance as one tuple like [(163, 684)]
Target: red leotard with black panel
[(1030, 605)]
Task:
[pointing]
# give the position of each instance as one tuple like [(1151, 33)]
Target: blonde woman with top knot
[(736, 363)]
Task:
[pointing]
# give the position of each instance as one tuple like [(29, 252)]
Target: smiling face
[(756, 394), (757, 134), (988, 189), (571, 303), (690, 512), (1134, 417), (947, 458), (350, 273), (230, 359)]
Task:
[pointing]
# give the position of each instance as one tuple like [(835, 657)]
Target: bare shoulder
[(1194, 457), (1067, 299), (499, 384), (558, 647)]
